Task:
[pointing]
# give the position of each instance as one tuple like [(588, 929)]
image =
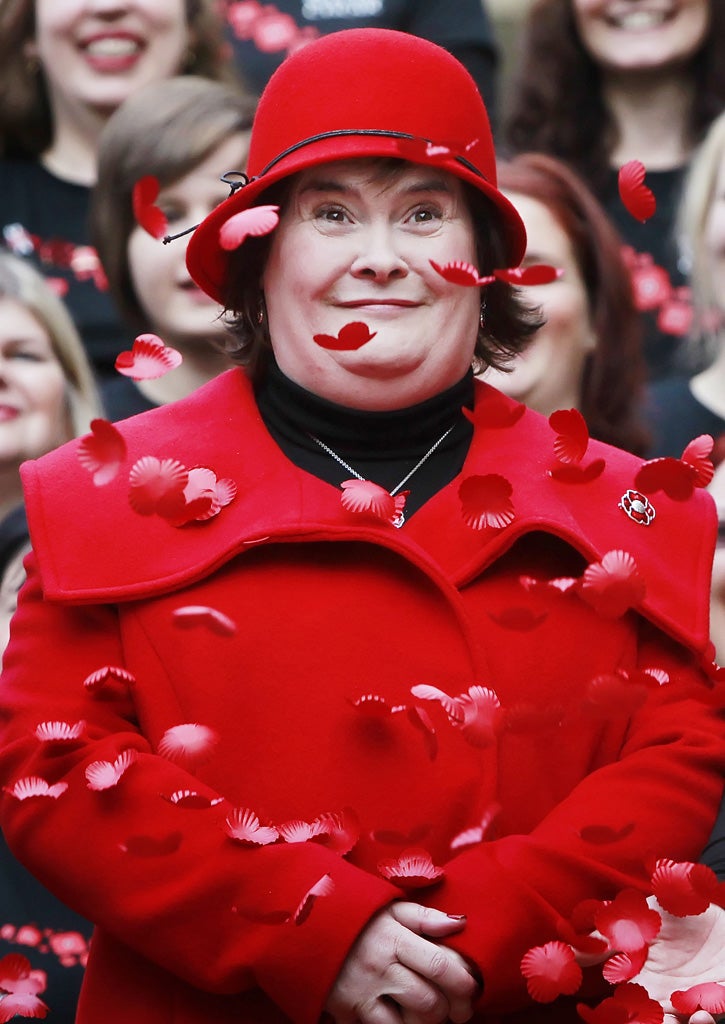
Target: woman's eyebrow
[(333, 185)]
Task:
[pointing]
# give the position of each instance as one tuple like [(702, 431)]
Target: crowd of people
[(367, 596)]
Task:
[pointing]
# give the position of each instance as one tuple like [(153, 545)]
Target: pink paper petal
[(151, 846), (460, 272), (673, 476), (256, 221), (630, 1004), (148, 359), (709, 996), (375, 706), (154, 483), (102, 452), (535, 273), (106, 676), (637, 198), (60, 732), (244, 827), (102, 775), (339, 831), (148, 215), (474, 836), (697, 455), (190, 800), (198, 615), (551, 970), (16, 974), (363, 496), (323, 887), (572, 435), (624, 966), (22, 1004), (413, 869), (613, 585), (486, 502), (451, 705), (627, 922), (351, 337), (481, 715), (188, 743), (298, 831), (33, 785), (682, 888)]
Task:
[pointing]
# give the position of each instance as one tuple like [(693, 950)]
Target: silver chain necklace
[(400, 516)]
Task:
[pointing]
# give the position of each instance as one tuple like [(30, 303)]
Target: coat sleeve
[(663, 790), (175, 888)]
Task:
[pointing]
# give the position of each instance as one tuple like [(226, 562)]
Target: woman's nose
[(378, 257)]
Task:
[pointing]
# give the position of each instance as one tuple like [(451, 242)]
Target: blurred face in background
[(95, 53), (177, 309), (33, 409), (714, 238), (548, 374), (642, 35)]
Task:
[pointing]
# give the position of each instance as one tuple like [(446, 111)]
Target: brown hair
[(508, 321), (165, 129), (556, 103), (26, 125), (614, 371)]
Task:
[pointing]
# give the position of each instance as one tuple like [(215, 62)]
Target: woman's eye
[(332, 214), (28, 355), (426, 215), (173, 212)]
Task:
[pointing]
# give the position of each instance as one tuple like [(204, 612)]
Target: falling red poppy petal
[(256, 221), (104, 676), (193, 615), (155, 480), (630, 1004), (486, 501), (628, 922), (576, 474), (102, 775), (682, 888), (148, 359), (33, 785), (624, 966), (244, 827), (148, 215), (709, 996), (551, 970), (536, 273), (460, 272), (413, 869), (190, 800), (363, 496), (322, 887), (572, 435), (102, 451), (697, 455), (189, 742), (613, 585), (637, 198), (60, 732), (351, 337), (673, 476)]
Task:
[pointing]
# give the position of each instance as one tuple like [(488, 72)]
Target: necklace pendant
[(398, 519)]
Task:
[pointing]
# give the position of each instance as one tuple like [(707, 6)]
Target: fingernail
[(456, 917)]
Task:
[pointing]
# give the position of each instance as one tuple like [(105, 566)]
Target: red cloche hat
[(361, 93)]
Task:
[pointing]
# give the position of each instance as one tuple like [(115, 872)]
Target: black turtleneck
[(381, 446)]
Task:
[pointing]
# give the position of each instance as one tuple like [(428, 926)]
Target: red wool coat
[(298, 702)]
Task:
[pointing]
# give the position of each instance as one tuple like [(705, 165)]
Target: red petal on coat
[(102, 775), (494, 412), (682, 888), (151, 846), (322, 887), (673, 476), (148, 359), (339, 831), (106, 676), (33, 785), (475, 835), (602, 835), (351, 337), (460, 272), (366, 497), (298, 831), (627, 922), (624, 966), (102, 452), (153, 481), (630, 1004), (613, 693), (697, 454), (451, 705), (613, 585), (636, 197), (376, 706), (520, 620), (148, 215), (256, 221), (577, 474), (22, 1004), (193, 615), (536, 273), (709, 996), (572, 435), (413, 869), (244, 827), (60, 732), (486, 502), (190, 742), (190, 800), (481, 715), (551, 970)]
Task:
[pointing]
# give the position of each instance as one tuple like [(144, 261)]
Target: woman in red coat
[(341, 685)]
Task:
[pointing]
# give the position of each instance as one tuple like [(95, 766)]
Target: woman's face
[(33, 410), (642, 35), (714, 238), (177, 309), (95, 53), (353, 247), (547, 375)]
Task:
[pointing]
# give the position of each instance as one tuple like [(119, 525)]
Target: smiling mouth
[(8, 412), (378, 303), (639, 20)]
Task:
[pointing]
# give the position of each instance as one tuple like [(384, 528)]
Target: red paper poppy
[(156, 485), (451, 705), (33, 785), (630, 1004), (190, 742), (339, 831), (650, 283), (363, 496), (323, 887), (193, 615), (474, 836), (22, 985), (572, 435), (627, 922), (486, 502), (148, 359), (102, 775), (107, 675), (244, 827), (613, 585), (495, 412), (143, 200), (535, 273), (256, 221), (351, 337), (60, 732), (481, 715), (190, 800), (298, 831), (151, 846), (576, 474), (677, 314), (102, 451), (551, 970), (624, 966), (709, 996), (413, 869), (637, 198), (682, 888), (460, 272), (679, 477)]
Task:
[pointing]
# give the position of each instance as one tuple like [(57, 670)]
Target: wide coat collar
[(92, 546)]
